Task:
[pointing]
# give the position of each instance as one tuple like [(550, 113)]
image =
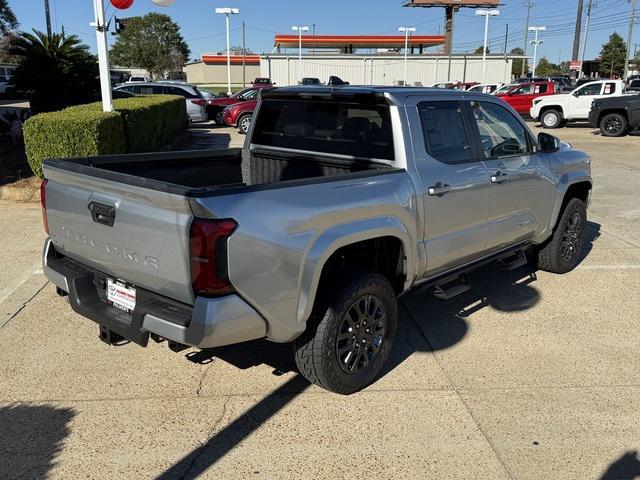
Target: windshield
[(504, 89)]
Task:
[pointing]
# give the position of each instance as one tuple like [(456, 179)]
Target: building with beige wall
[(212, 70)]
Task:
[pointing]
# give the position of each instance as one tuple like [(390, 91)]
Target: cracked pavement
[(529, 375)]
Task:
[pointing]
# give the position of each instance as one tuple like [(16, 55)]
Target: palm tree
[(57, 71), (8, 20)]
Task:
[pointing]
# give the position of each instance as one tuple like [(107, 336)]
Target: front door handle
[(499, 177), (439, 189)]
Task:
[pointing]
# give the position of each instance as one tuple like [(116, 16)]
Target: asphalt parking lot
[(529, 375)]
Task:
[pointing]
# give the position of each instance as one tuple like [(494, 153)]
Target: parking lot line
[(24, 278)]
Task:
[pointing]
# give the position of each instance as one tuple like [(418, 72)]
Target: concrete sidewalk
[(529, 376)]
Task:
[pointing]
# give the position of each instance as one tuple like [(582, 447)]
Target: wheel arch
[(577, 188), (386, 237), (556, 107), (622, 111)]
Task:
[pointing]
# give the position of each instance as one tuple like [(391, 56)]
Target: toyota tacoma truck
[(557, 110), (342, 199), (615, 117)]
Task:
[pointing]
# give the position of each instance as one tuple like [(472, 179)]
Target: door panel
[(455, 185), (522, 191)]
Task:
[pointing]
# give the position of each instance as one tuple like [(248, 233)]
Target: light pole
[(406, 31), (486, 13), (535, 44), (300, 29), (226, 11), (103, 56)]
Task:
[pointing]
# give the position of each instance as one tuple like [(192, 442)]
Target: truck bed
[(205, 172)]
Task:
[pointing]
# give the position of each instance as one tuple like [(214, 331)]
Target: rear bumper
[(200, 116), (210, 322)]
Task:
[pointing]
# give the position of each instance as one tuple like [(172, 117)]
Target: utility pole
[(63, 35), (576, 37), (244, 55), (506, 39), (586, 37), (313, 44), (631, 25), (47, 14), (526, 36)]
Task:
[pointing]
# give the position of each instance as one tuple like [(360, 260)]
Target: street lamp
[(300, 29), (535, 44), (486, 13), (226, 11), (406, 31), (102, 29)]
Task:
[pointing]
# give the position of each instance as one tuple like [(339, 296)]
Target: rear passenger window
[(445, 136), (179, 91), (540, 88), (501, 134), (334, 127), (148, 89), (609, 88)]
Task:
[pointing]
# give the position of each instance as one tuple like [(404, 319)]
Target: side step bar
[(452, 286), (512, 261)]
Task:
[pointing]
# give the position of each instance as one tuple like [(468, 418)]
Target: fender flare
[(566, 182), (329, 241)]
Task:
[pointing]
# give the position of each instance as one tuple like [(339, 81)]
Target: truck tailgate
[(134, 234)]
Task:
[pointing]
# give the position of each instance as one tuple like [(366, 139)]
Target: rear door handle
[(499, 177), (438, 189)]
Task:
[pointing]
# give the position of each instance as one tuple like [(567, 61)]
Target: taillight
[(43, 202), (201, 101), (208, 251)]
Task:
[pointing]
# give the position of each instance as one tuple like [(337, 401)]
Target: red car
[(215, 106), (262, 82), (239, 114), (521, 96)]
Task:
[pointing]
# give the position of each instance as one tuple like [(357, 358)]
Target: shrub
[(72, 134), (150, 122), (139, 124)]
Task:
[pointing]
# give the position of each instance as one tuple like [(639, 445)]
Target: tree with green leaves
[(478, 51), (8, 20), (613, 56), (56, 71), (152, 42), (547, 69), (516, 67)]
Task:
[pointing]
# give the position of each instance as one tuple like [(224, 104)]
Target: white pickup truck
[(554, 111)]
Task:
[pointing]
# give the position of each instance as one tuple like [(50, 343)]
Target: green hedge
[(139, 124), (72, 134), (150, 122)]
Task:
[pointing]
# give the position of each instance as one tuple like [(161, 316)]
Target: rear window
[(327, 127)]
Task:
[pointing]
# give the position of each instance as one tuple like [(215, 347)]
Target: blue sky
[(204, 30)]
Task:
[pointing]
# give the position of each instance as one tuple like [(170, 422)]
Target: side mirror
[(548, 143), (575, 94)]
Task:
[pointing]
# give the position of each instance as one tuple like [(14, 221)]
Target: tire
[(551, 119), (218, 118), (244, 122), (614, 125), (561, 253), (338, 351)]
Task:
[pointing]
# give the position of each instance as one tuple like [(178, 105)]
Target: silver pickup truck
[(341, 200)]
